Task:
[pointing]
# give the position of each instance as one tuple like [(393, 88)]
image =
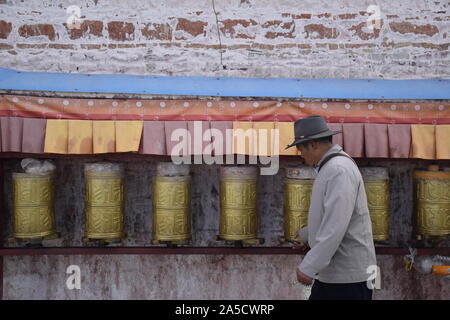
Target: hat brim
[(314, 137)]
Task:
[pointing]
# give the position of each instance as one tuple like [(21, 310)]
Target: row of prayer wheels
[(104, 202), (297, 192)]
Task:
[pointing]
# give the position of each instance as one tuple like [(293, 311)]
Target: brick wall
[(242, 38)]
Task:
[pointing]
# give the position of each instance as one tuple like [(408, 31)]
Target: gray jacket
[(339, 230)]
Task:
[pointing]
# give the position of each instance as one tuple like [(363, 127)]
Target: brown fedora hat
[(311, 128)]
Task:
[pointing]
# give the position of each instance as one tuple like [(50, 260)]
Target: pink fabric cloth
[(376, 140), (199, 130), (354, 139), (12, 129), (399, 140), (227, 137), (337, 138), (180, 145), (33, 135), (153, 138)]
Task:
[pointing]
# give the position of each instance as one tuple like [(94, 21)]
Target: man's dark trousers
[(340, 291)]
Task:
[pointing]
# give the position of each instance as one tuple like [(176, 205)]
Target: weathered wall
[(242, 38), (192, 277), (286, 38), (195, 277)]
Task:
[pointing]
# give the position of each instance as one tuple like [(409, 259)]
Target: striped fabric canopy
[(46, 122)]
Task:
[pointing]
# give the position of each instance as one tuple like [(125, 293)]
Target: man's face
[(309, 153)]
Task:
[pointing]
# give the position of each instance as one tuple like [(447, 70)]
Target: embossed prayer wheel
[(171, 203), (238, 194), (33, 211), (104, 201), (432, 189), (376, 184), (297, 195)]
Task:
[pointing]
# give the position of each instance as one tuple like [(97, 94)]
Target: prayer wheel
[(238, 218), (376, 184), (432, 189), (33, 206), (171, 203), (297, 195), (104, 201)]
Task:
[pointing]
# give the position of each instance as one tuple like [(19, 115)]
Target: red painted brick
[(442, 47), (347, 16), (358, 45), (32, 46), (87, 27), (319, 31), (120, 31), (426, 45), (301, 16), (91, 46), (34, 30), (157, 31), (333, 46), (61, 46), (407, 27), (194, 28), (228, 28), (324, 15), (5, 29), (284, 25), (5, 46), (366, 35)]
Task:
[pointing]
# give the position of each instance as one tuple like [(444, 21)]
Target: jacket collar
[(334, 149)]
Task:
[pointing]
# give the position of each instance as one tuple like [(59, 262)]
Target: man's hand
[(299, 245), (303, 278)]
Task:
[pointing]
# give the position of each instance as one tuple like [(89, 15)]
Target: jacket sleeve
[(339, 202)]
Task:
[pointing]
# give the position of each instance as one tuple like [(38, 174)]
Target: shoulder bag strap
[(331, 156)]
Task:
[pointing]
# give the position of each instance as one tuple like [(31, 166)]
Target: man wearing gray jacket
[(339, 232)]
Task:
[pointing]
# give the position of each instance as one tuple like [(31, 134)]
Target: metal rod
[(133, 156), (193, 251)]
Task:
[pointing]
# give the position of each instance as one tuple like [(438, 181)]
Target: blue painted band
[(226, 87)]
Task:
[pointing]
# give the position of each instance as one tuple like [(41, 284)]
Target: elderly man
[(339, 230)]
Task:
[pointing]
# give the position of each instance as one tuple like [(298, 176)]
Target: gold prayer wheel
[(104, 202), (432, 201), (376, 184), (33, 211), (171, 203), (297, 196), (238, 218)]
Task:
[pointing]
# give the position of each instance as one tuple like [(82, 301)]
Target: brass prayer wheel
[(171, 203), (33, 211), (104, 201), (297, 197), (432, 201), (376, 184), (238, 195)]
